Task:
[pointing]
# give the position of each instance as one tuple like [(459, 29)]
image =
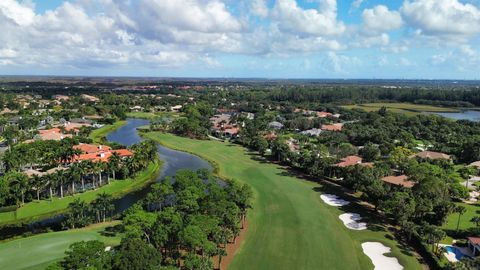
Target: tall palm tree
[(37, 183), (19, 184), (103, 206), (113, 164)]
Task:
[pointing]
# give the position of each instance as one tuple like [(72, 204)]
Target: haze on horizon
[(428, 39)]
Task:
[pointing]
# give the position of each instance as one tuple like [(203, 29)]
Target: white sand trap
[(351, 221), (375, 251), (333, 200)]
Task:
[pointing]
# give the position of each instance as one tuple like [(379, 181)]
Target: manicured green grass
[(39, 251), (405, 108), (98, 135), (45, 208), (473, 210), (289, 226)]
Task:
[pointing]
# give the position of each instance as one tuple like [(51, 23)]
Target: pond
[(172, 160), (464, 115)]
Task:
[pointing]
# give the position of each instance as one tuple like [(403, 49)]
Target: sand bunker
[(351, 221), (333, 200), (375, 251)]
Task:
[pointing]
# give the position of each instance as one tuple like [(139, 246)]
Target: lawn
[(472, 211), (405, 108), (289, 226), (45, 208), (39, 251), (98, 135)]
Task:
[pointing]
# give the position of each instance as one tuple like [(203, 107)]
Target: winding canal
[(172, 160)]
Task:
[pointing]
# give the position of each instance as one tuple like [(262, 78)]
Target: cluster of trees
[(196, 121), (65, 177), (184, 221), (81, 214)]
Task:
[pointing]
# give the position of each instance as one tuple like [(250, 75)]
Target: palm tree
[(37, 183), (113, 164), (60, 176), (75, 175), (460, 210), (103, 205), (19, 184)]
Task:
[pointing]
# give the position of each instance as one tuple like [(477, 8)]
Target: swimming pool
[(458, 254)]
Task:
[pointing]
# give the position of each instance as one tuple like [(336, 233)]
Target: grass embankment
[(289, 226), (37, 210), (405, 108), (98, 135), (39, 251)]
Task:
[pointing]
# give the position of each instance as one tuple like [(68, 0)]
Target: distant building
[(333, 127), (97, 153), (53, 134), (401, 180), (433, 155), (89, 98), (312, 132), (275, 125)]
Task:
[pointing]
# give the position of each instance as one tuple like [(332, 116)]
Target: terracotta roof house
[(401, 180), (333, 127), (324, 114), (90, 98), (432, 155), (91, 148), (99, 152), (54, 134), (349, 161), (474, 245)]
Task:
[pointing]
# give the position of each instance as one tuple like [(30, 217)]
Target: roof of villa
[(401, 180)]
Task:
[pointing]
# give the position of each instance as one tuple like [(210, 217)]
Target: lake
[(465, 115)]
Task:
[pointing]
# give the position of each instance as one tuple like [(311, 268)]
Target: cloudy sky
[(430, 39)]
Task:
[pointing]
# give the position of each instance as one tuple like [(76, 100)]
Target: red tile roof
[(432, 155), (91, 148), (474, 240), (323, 114), (349, 161), (99, 152), (333, 127), (401, 180)]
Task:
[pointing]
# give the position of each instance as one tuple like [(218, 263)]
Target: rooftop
[(401, 180)]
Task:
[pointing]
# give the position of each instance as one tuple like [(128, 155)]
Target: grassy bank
[(405, 108), (289, 226), (45, 208), (39, 251), (98, 135)]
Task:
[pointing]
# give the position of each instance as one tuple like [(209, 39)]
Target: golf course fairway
[(289, 226), (39, 251)]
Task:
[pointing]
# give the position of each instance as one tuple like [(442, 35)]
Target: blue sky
[(428, 39)]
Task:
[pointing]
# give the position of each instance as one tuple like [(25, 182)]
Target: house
[(349, 161), (61, 97), (96, 153), (474, 245), (312, 132), (53, 134), (324, 114), (333, 127), (275, 125), (401, 180), (293, 145), (176, 108), (432, 155), (89, 98)]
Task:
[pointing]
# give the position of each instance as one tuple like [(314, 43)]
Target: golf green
[(289, 226), (39, 251)]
